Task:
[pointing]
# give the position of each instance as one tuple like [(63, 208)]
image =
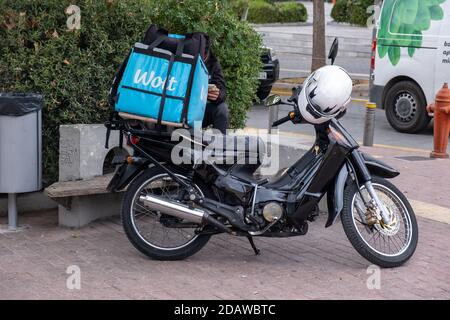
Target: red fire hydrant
[(441, 110)]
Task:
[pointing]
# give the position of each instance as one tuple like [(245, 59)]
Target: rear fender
[(124, 174)]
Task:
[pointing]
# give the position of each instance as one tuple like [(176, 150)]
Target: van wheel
[(406, 108)]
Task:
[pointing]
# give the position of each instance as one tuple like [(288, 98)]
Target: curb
[(285, 89), (431, 211), (305, 73), (29, 202), (345, 25), (281, 24)]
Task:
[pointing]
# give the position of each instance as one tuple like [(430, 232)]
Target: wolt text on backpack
[(164, 80)]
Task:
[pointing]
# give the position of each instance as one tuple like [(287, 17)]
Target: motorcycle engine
[(272, 211), (266, 213)]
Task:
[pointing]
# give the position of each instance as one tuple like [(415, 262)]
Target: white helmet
[(326, 92)]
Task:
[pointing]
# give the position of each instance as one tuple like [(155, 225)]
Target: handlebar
[(293, 116), (281, 121)]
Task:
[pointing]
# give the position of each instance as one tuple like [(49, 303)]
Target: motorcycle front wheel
[(158, 235), (387, 246)]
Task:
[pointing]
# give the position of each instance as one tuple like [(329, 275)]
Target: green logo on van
[(402, 23)]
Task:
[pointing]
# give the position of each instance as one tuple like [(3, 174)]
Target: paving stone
[(319, 265)]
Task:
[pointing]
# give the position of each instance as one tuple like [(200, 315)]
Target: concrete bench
[(84, 174), (83, 201)]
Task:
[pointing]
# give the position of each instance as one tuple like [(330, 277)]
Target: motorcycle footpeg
[(302, 228)]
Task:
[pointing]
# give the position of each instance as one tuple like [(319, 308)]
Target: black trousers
[(217, 116)]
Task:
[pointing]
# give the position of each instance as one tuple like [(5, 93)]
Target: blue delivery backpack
[(164, 80)]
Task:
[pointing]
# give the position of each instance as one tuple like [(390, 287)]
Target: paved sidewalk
[(320, 265), (421, 178)]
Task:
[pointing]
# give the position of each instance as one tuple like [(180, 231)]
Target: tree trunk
[(319, 55), (244, 14)]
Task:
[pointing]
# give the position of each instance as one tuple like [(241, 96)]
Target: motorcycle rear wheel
[(150, 231), (386, 246)]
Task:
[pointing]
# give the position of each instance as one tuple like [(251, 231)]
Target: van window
[(408, 24), (411, 17)]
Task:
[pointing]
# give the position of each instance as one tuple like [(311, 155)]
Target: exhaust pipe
[(173, 209), (182, 211)]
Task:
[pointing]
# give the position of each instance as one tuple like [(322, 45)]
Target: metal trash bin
[(20, 147)]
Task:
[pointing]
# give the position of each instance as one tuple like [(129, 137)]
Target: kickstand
[(255, 249)]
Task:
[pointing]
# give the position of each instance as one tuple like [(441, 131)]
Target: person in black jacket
[(216, 113)]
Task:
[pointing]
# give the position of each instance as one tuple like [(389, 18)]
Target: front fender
[(335, 194), (379, 168)]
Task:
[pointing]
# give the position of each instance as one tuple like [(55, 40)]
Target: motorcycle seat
[(227, 143)]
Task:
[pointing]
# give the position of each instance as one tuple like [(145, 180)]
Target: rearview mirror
[(334, 50), (273, 100)]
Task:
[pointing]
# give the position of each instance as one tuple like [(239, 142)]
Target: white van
[(411, 60)]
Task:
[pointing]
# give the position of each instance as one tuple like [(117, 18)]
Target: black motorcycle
[(169, 211)]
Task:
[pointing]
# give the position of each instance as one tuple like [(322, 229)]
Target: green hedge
[(292, 12), (340, 11), (352, 11), (74, 69), (262, 12), (265, 11)]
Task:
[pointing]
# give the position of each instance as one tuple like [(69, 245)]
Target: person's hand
[(213, 93)]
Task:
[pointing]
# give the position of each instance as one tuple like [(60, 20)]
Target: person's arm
[(217, 78)]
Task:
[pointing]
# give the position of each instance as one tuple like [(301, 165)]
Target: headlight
[(273, 54)]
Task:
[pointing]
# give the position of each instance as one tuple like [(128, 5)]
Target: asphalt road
[(354, 122), (295, 65)]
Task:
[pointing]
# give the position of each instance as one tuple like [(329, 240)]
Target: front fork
[(364, 177)]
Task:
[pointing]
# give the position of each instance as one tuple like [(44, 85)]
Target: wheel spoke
[(155, 228), (386, 240)]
